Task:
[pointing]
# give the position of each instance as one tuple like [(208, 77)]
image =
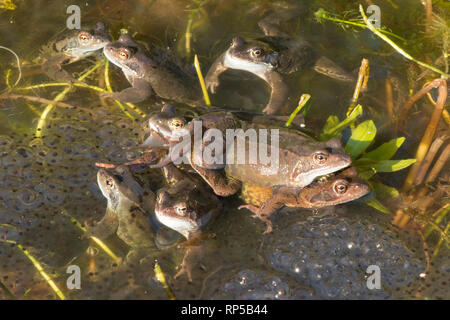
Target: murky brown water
[(307, 256)]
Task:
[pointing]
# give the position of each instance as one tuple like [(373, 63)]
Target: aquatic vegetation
[(202, 81)]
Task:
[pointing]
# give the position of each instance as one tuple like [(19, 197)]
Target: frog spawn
[(40, 177)]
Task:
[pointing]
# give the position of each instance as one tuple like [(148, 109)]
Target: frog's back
[(293, 53), (168, 78)]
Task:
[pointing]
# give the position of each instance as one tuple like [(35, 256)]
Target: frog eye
[(84, 37), (257, 52), (124, 54), (320, 157), (110, 182), (181, 210), (177, 124), (340, 187)]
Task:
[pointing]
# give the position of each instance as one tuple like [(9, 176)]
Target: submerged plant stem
[(396, 47), (100, 243), (39, 268), (109, 89), (323, 14), (301, 103), (59, 97), (43, 100)]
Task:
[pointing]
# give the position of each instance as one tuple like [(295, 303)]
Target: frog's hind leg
[(258, 214), (191, 258), (330, 69), (216, 179), (140, 91), (53, 69)]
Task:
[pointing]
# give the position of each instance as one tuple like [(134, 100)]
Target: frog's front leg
[(279, 199), (105, 227), (279, 94), (212, 77), (139, 91), (53, 68)]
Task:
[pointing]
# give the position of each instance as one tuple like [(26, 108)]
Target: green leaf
[(374, 203), (389, 165), (386, 150), (365, 173), (382, 190), (362, 136), (330, 131), (332, 121)]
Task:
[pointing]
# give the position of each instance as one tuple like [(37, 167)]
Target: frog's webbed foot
[(259, 215), (279, 94), (212, 82), (212, 77), (190, 260), (330, 69)]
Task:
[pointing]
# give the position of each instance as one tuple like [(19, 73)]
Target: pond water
[(48, 177)]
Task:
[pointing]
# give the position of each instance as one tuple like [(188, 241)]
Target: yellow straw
[(39, 268), (161, 278), (59, 97), (202, 81), (100, 243)]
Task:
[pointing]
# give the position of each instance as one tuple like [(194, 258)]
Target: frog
[(186, 205), (340, 188), (152, 70), (270, 57), (128, 211), (72, 46)]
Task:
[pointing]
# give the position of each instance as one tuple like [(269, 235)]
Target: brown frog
[(128, 212), (340, 188), (186, 206), (147, 71), (268, 58), (69, 47)]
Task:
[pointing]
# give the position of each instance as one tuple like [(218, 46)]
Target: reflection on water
[(47, 182)]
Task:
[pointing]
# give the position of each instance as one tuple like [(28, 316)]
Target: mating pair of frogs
[(156, 69), (300, 161)]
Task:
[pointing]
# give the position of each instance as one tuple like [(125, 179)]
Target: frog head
[(253, 56)]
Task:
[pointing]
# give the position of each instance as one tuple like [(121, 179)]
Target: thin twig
[(7, 96)]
